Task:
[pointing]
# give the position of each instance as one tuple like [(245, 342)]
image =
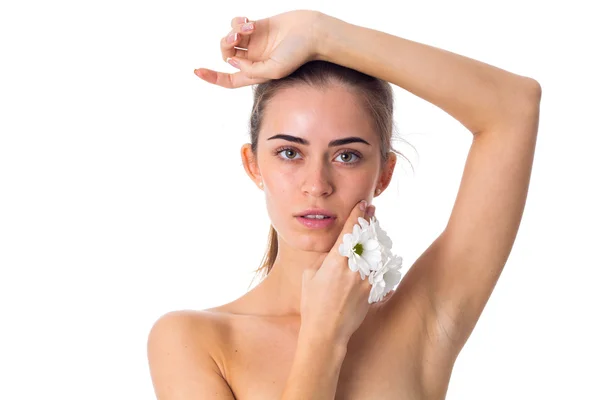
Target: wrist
[(319, 341), (324, 36)]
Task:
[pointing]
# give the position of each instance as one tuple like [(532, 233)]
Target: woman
[(321, 130)]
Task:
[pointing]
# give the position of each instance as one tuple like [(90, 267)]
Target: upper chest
[(257, 355)]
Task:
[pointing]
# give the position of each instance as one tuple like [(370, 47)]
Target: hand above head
[(274, 48)]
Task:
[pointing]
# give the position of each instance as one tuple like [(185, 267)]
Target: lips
[(324, 220), (316, 211), (316, 223)]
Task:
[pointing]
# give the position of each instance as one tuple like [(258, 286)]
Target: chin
[(317, 241), (318, 247)]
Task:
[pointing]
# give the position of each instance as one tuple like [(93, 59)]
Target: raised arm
[(480, 96), (453, 279)]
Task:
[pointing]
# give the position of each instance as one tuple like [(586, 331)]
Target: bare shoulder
[(180, 348)]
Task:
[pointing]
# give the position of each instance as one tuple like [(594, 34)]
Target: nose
[(317, 182)]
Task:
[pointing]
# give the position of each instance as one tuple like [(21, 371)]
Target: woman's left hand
[(276, 47)]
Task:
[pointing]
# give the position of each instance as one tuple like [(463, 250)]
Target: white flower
[(368, 249), (362, 249), (381, 235), (385, 278)]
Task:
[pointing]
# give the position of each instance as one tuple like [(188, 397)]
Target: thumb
[(267, 69)]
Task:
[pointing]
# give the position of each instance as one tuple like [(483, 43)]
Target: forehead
[(319, 115)]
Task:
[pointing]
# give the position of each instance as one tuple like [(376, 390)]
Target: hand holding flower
[(334, 298)]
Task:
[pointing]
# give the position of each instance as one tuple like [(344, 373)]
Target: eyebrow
[(333, 143)]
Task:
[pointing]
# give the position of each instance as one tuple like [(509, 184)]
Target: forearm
[(478, 95), (315, 369)]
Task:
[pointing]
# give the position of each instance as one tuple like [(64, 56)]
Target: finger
[(245, 30), (237, 37), (229, 46), (229, 81), (236, 25), (268, 69), (237, 21), (364, 260), (353, 219)]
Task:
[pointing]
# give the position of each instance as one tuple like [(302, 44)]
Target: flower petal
[(370, 245), (372, 258), (375, 277), (352, 264), (381, 235), (391, 278), (363, 223), (343, 250), (376, 293), (363, 266)]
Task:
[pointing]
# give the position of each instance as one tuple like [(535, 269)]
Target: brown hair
[(375, 95)]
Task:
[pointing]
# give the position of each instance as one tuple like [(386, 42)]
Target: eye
[(288, 152), (347, 157)]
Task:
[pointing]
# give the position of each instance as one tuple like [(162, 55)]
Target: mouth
[(316, 219), (315, 213), (315, 216)]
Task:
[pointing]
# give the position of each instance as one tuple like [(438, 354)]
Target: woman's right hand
[(334, 300), (276, 47)]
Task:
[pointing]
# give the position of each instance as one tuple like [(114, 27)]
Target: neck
[(282, 288)]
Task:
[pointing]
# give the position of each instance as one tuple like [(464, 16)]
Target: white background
[(123, 196)]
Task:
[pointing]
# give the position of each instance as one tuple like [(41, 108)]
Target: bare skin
[(407, 345), (256, 352)]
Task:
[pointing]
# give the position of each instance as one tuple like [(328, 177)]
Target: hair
[(374, 94)]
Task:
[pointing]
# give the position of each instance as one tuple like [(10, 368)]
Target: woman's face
[(302, 167)]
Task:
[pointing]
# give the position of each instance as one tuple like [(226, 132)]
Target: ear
[(386, 173), (250, 164)]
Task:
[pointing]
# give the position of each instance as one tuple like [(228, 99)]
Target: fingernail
[(363, 205), (233, 62), (370, 211), (232, 38), (247, 27)]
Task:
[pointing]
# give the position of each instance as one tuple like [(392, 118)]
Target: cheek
[(280, 190), (358, 184), (280, 179)]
